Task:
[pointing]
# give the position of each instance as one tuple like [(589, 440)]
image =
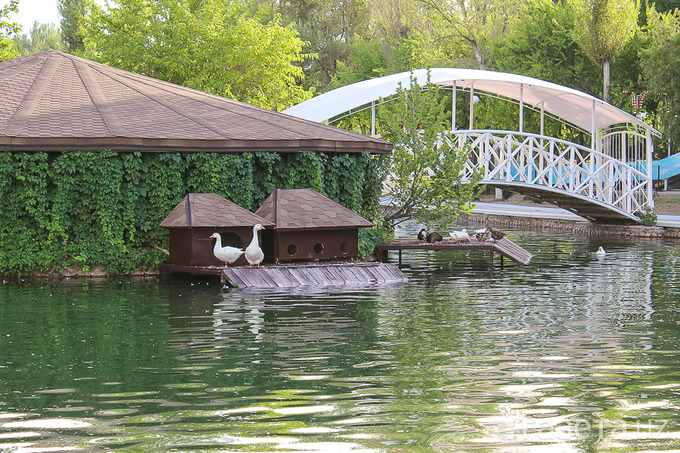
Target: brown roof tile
[(210, 210), (53, 101), (307, 208)]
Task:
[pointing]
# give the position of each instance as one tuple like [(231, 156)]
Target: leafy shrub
[(103, 209), (647, 217)]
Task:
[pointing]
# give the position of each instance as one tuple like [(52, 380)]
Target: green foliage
[(661, 64), (72, 14), (365, 61), (264, 169), (213, 46), (327, 27), (370, 237), (299, 170), (647, 217), (42, 37), (7, 30), (476, 23), (87, 210), (602, 28), (426, 167), (541, 45), (228, 175)]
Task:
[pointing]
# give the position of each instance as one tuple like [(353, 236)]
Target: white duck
[(600, 253), (254, 254), (460, 236), (227, 253)]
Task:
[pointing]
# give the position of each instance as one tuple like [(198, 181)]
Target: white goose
[(254, 254), (227, 253)]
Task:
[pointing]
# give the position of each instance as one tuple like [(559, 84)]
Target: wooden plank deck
[(505, 247), (312, 274)]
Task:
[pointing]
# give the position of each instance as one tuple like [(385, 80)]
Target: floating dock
[(504, 247), (312, 274)]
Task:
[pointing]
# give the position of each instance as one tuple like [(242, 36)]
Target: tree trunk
[(481, 61), (606, 75)]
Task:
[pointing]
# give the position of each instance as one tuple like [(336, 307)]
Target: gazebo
[(71, 114), (54, 101)]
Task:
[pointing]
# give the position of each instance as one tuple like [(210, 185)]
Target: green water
[(571, 353)]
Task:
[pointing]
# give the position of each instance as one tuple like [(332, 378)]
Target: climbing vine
[(87, 210)]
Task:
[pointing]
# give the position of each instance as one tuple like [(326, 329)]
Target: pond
[(571, 353)]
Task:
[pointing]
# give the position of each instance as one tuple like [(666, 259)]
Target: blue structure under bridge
[(609, 181)]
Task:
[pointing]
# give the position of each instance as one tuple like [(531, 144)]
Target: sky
[(35, 10)]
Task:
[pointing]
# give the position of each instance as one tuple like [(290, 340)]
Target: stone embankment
[(581, 228), (666, 203)]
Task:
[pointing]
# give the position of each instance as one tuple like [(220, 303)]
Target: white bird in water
[(254, 254), (600, 253), (227, 253)]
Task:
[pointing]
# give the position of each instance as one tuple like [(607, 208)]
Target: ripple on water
[(567, 354)]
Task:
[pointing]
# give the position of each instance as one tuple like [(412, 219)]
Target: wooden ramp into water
[(504, 247), (312, 274)]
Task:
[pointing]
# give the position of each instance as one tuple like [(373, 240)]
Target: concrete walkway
[(553, 213)]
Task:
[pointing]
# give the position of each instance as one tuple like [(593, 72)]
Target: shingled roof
[(306, 208), (210, 210), (53, 101)]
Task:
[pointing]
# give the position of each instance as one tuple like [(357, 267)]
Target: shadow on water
[(571, 353)]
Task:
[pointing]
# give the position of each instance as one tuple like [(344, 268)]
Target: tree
[(72, 13), (661, 65), (663, 6), (424, 173), (327, 27), (540, 44), (476, 22), (42, 37), (212, 45), (602, 28), (8, 30)]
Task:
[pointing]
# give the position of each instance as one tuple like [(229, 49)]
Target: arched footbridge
[(610, 180)]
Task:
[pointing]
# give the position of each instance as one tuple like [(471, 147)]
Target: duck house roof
[(210, 210), (54, 101), (291, 209)]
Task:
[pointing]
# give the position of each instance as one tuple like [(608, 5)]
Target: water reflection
[(571, 353)]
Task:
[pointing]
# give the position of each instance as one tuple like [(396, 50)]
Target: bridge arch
[(609, 180)]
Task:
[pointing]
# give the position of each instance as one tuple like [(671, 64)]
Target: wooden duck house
[(309, 226), (195, 219)]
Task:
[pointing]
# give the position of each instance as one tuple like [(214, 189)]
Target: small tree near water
[(426, 167)]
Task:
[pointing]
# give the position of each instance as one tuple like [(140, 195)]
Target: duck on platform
[(254, 254), (433, 238), (422, 235), (483, 235), (227, 253), (488, 234), (497, 235), (460, 236)]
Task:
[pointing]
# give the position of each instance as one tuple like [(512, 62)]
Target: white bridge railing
[(533, 160)]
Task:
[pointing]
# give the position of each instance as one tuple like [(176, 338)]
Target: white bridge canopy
[(576, 107)]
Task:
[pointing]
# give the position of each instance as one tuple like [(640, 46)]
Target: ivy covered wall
[(103, 209)]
